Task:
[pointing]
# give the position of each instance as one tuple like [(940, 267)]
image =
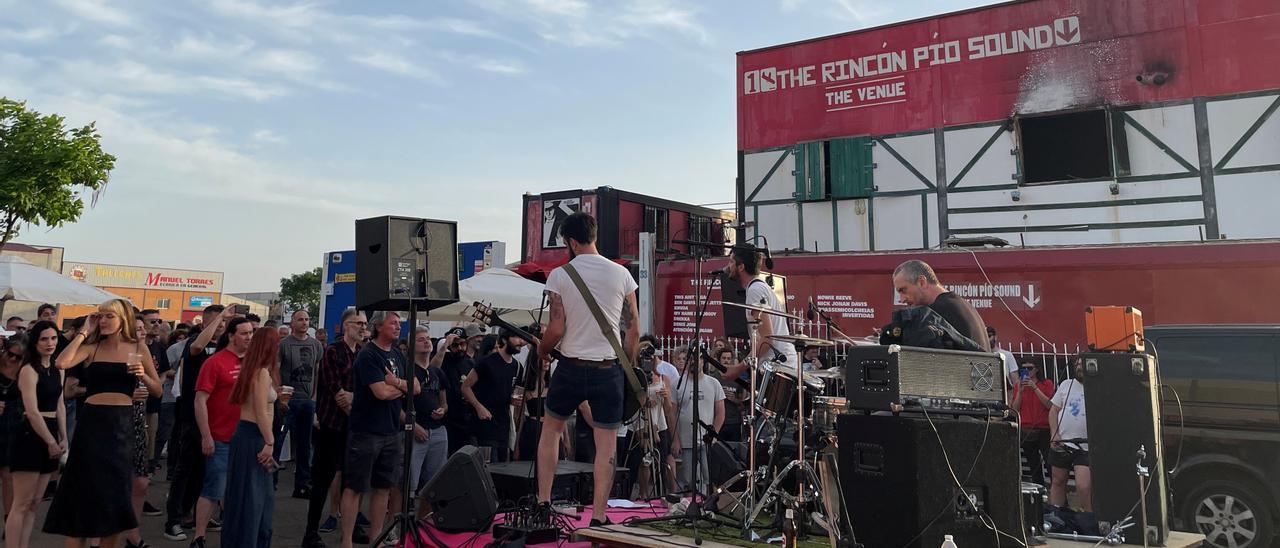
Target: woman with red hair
[(247, 522)]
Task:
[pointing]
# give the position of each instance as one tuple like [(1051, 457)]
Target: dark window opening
[(655, 221), (1065, 147)]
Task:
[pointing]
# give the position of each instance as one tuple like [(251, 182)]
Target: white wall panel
[(780, 186), (1228, 120), (997, 165), (778, 223), (1095, 191), (1243, 212), (853, 225), (1174, 126), (891, 175), (934, 232), (1129, 235), (817, 227), (1078, 216), (898, 223)]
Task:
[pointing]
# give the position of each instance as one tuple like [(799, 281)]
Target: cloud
[(580, 24), (267, 136), (96, 11), (210, 47), (134, 76), (116, 41), (390, 62), (33, 34)]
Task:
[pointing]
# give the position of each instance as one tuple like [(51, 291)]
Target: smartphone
[(1024, 373), (272, 466), (240, 309)]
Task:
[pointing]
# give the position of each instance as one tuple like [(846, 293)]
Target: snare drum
[(825, 411)]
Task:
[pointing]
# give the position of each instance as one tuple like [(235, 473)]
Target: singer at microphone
[(745, 269)]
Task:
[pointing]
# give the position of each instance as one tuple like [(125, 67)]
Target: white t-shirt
[(1071, 415), (760, 294), (609, 283), (709, 392)]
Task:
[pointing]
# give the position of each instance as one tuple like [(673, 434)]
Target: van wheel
[(1229, 515)]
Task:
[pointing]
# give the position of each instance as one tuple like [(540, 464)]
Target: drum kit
[(788, 405)]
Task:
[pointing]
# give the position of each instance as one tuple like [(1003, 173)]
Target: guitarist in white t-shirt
[(589, 369)]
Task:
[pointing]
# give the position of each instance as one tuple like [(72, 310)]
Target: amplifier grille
[(951, 375)]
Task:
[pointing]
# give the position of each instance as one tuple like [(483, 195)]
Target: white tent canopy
[(515, 298), (23, 281)]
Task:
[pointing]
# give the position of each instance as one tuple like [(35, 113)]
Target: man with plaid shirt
[(333, 402)]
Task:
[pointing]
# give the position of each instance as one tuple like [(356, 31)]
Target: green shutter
[(810, 175), (851, 167)]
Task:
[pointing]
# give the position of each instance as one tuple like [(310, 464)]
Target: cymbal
[(870, 340), (807, 341), (833, 373), (764, 310)]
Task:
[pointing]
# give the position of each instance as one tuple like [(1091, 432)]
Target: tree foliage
[(301, 291), (45, 167)]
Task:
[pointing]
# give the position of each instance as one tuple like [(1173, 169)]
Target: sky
[(251, 134)]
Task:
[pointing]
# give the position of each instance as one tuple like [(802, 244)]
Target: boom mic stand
[(696, 511)]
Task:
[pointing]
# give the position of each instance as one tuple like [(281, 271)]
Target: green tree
[(45, 167), (301, 291)]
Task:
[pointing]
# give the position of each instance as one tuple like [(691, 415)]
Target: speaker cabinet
[(1122, 396), (899, 492), (462, 494), (404, 258)]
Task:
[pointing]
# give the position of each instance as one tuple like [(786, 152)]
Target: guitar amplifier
[(902, 378)]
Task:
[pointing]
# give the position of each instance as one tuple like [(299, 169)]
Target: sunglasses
[(13, 355), (155, 322)]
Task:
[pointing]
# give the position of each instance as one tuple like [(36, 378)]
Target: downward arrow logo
[(1031, 299), (1066, 31)]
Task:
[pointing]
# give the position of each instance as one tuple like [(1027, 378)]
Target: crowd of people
[(87, 413)]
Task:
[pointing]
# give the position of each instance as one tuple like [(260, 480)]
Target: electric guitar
[(632, 399)]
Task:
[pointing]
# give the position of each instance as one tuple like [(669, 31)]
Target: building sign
[(345, 277), (137, 277), (984, 296), (199, 302), (554, 212)]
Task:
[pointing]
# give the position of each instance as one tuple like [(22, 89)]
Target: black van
[(1226, 459)]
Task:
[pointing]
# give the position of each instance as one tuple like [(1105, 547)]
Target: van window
[(1225, 381)]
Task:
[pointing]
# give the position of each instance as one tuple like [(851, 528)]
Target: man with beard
[(1067, 426), (488, 390), (456, 360)]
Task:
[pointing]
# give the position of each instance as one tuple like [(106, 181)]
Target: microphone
[(719, 271), (811, 313), (768, 258)]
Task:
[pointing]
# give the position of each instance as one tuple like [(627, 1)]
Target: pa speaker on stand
[(399, 259)]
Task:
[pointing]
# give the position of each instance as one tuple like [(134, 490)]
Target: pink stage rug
[(457, 540)]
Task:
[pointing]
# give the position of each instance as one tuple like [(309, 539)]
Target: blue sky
[(250, 134)]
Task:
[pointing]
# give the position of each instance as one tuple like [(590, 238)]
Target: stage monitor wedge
[(462, 494), (399, 259)]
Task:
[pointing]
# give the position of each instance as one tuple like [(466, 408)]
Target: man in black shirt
[(488, 391), (189, 473), (455, 364), (917, 285)]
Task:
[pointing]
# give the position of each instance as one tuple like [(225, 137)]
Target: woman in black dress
[(93, 498), (41, 438), (10, 409)]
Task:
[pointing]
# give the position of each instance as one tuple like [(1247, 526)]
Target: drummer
[(745, 268)]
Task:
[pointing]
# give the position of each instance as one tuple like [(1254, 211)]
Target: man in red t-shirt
[(1033, 398), (217, 418)]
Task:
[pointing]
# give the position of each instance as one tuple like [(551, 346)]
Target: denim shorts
[(600, 387), (215, 472)]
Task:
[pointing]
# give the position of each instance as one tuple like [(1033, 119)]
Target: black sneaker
[(361, 520), (597, 523), (149, 510), (360, 535), (214, 526), (198, 543), (312, 540), (174, 532), (330, 525)]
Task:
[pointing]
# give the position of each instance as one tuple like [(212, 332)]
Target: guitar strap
[(609, 334)]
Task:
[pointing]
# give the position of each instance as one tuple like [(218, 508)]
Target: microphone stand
[(696, 510)]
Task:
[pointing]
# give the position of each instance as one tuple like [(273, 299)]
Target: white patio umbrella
[(23, 281), (515, 298)]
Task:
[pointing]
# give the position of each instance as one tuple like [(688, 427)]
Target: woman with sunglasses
[(39, 440), (10, 409), (95, 492)]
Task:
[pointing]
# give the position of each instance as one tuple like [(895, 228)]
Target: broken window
[(1065, 147)]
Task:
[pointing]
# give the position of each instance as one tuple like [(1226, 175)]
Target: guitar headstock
[(482, 312)]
